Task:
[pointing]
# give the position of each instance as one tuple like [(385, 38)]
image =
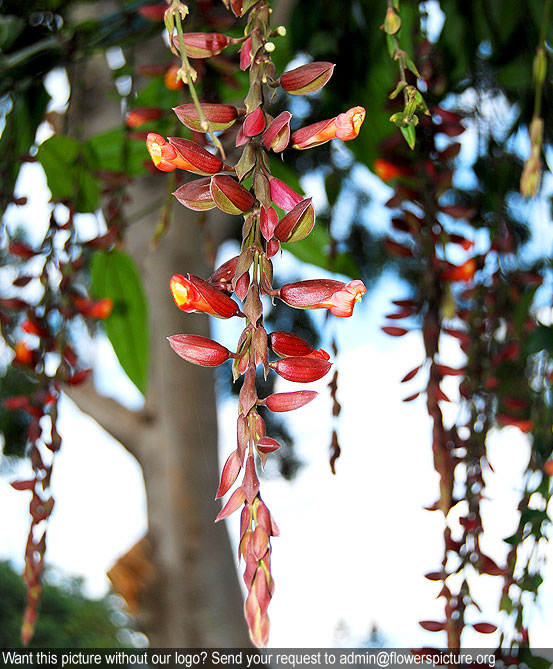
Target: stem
[(188, 69)]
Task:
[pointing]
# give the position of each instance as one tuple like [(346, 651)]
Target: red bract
[(203, 45), (297, 223), (286, 343), (306, 78), (230, 196), (345, 126), (282, 195), (246, 54), (301, 369), (220, 117), (196, 295), (199, 350), (277, 135), (196, 195), (254, 123), (279, 402), (340, 298)]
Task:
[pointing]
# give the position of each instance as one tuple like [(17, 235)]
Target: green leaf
[(540, 339), (11, 27), (409, 133), (67, 173), (314, 250), (57, 156), (113, 151), (115, 275)]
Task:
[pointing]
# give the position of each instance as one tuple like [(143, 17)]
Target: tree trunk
[(192, 598)]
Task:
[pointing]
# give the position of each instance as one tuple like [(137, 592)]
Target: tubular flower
[(196, 295), (337, 296), (164, 156), (345, 126)]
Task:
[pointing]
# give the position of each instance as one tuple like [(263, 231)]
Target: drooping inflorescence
[(249, 189)]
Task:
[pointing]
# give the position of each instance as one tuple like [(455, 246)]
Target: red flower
[(199, 350), (196, 295), (386, 170), (307, 78), (142, 115), (100, 309), (164, 156), (344, 126), (337, 296)]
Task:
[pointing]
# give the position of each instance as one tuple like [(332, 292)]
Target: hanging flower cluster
[(248, 189), (480, 305), (37, 331)]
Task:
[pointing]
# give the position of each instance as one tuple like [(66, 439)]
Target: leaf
[(113, 151), (57, 156), (115, 275), (409, 133), (540, 339), (68, 174)]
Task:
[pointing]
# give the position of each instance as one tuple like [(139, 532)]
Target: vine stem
[(189, 70)]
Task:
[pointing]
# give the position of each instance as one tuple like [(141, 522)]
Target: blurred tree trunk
[(190, 596)]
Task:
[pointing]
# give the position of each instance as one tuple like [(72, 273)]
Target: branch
[(121, 423)]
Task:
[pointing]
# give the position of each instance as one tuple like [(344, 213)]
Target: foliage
[(67, 619)]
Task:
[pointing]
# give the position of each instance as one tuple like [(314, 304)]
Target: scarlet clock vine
[(478, 301), (249, 189), (39, 333)]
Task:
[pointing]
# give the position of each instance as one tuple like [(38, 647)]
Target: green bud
[(392, 22)]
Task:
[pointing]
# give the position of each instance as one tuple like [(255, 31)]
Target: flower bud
[(199, 350), (251, 482), (344, 126), (338, 297), (254, 123), (268, 220), (392, 22), (196, 295), (196, 195), (220, 117), (306, 78), (235, 501), (196, 157), (288, 344), (230, 196), (202, 45), (297, 223), (282, 195), (279, 402), (267, 445), (246, 54), (301, 369), (231, 469), (223, 275), (277, 135), (141, 115)]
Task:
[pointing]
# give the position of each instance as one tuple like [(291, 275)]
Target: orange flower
[(386, 170), (141, 115), (344, 126), (196, 295), (100, 309), (23, 354), (164, 156), (337, 296), (171, 79), (463, 272)]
